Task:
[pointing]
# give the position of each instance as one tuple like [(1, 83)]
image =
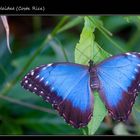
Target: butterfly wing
[(67, 87), (119, 78)]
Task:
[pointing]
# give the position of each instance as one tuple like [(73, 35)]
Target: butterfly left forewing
[(66, 87), (119, 78)]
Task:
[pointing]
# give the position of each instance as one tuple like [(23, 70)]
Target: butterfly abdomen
[(94, 81)]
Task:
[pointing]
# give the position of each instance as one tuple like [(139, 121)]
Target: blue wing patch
[(119, 78), (67, 87)]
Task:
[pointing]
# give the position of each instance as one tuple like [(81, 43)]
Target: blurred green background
[(40, 40)]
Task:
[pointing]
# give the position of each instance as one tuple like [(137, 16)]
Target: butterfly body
[(69, 87), (94, 81)]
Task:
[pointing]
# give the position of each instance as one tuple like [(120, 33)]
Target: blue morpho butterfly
[(69, 86)]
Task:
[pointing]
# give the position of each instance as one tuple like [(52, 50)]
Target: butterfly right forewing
[(119, 78)]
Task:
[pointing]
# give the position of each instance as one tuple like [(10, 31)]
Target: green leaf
[(87, 49), (84, 49), (99, 24), (98, 53), (98, 114)]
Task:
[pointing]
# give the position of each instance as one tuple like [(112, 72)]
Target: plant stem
[(62, 49), (60, 24), (43, 109), (108, 37)]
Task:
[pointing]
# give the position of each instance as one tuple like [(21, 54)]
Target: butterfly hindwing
[(67, 87), (119, 78)]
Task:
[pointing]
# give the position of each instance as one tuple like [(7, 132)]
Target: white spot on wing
[(30, 85), (64, 115), (26, 81), (135, 90), (49, 65), (25, 77), (37, 76), (44, 68), (41, 79), (46, 83), (32, 73), (52, 88), (128, 54), (35, 88), (128, 112), (134, 55), (48, 97)]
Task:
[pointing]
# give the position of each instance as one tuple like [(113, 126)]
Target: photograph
[(69, 75)]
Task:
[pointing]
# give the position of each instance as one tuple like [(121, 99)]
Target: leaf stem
[(62, 49), (108, 37), (43, 109)]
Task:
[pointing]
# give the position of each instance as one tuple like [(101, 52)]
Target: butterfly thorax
[(94, 81)]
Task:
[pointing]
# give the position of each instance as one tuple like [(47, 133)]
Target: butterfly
[(69, 87)]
